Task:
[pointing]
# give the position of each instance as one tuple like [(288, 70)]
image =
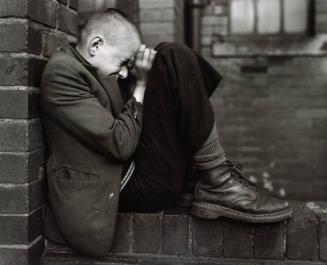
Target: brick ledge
[(173, 236)]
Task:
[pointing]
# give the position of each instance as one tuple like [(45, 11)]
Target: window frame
[(310, 25)]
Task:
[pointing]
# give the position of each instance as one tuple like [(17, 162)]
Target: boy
[(98, 133)]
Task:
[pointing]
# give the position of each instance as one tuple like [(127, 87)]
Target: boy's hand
[(143, 62)]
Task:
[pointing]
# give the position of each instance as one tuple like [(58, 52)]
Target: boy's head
[(109, 41)]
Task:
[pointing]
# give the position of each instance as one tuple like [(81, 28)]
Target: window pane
[(269, 16), (295, 16), (242, 16)]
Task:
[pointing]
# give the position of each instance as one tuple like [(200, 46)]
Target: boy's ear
[(95, 44)]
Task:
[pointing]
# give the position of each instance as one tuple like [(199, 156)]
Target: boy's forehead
[(126, 50)]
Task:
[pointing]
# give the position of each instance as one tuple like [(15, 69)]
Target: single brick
[(152, 40), (17, 8), (323, 237), (16, 42), (146, 4), (43, 11), (15, 256), (13, 199), (161, 28), (20, 168), (155, 15), (17, 230), (13, 71), (30, 255), (34, 40), (19, 103), (269, 241), (123, 235), (67, 20), (207, 237), (220, 9), (20, 71), (302, 235), (175, 234), (237, 241), (147, 229), (210, 20), (20, 135), (23, 198)]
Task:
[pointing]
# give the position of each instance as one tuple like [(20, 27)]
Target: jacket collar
[(71, 50), (109, 83)]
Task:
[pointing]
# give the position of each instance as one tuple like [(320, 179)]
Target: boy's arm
[(66, 98)]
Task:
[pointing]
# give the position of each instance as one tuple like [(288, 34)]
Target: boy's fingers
[(140, 53), (146, 56), (152, 55)]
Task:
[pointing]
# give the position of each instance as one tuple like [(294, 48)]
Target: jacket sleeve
[(66, 97)]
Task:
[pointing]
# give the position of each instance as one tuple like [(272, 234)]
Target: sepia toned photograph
[(163, 132)]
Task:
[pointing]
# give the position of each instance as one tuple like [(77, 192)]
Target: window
[(269, 16)]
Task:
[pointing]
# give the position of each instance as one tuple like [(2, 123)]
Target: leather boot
[(223, 191)]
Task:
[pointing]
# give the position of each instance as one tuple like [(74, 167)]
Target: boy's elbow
[(123, 155), (123, 151)]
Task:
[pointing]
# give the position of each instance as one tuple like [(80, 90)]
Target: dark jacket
[(90, 132)]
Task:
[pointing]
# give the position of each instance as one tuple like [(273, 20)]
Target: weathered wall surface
[(158, 20), (30, 31), (271, 109), (161, 20)]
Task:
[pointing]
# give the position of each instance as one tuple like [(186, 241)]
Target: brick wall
[(130, 8), (30, 31), (271, 109), (321, 16), (161, 20), (158, 20)]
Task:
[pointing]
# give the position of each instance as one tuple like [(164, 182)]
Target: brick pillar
[(162, 20), (30, 30)]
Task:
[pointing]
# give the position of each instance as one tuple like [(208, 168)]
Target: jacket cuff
[(137, 109)]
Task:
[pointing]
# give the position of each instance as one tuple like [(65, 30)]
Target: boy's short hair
[(112, 23)]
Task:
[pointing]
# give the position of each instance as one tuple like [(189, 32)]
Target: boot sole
[(213, 211)]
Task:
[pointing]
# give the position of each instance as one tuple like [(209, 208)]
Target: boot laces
[(235, 169)]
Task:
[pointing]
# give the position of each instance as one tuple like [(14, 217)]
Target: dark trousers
[(177, 120)]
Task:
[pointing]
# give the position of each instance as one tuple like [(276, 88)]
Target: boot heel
[(204, 211)]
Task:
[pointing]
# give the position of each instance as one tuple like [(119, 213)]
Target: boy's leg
[(177, 119), (178, 126)]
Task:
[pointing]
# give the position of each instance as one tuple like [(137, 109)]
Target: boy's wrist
[(140, 82), (139, 92)]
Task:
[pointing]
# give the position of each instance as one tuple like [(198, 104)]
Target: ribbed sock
[(211, 153)]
